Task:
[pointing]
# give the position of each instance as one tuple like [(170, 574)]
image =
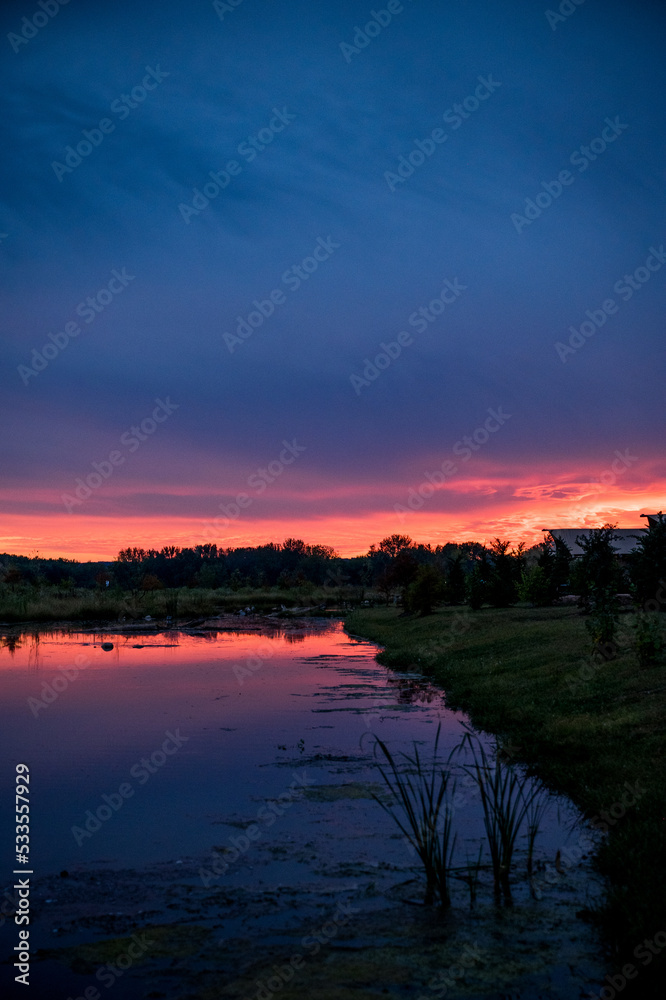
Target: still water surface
[(172, 753)]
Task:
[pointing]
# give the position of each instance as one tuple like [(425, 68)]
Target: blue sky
[(323, 177)]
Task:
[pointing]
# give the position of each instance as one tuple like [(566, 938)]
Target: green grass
[(585, 728), (49, 604)]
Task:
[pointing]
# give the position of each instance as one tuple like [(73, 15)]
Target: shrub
[(426, 590), (535, 587), (648, 641)]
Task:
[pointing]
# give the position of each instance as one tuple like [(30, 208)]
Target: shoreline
[(508, 670)]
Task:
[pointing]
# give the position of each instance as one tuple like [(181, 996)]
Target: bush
[(427, 590), (648, 642), (602, 619), (535, 587)]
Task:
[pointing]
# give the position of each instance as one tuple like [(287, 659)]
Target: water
[(217, 790)]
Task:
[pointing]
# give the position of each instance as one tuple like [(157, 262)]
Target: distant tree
[(455, 583), (599, 578), (322, 552), (426, 590), (385, 583), (502, 586), (555, 561), (404, 567), (599, 573), (171, 551), (392, 545), (476, 588), (535, 587), (132, 555), (647, 563), (13, 576), (520, 559), (296, 545)]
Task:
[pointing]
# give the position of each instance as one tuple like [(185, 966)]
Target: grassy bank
[(586, 727), (50, 604)]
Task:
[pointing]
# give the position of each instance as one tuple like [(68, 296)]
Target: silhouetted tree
[(555, 561), (647, 563), (476, 588), (392, 545), (456, 579), (425, 591), (502, 586), (599, 578)]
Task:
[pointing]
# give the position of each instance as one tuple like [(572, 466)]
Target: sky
[(303, 269)]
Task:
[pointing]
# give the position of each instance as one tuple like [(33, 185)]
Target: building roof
[(624, 543)]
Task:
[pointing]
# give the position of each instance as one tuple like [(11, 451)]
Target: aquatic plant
[(538, 804), (509, 799), (419, 790), (469, 874)]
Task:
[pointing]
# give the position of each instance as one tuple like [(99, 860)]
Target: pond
[(203, 825)]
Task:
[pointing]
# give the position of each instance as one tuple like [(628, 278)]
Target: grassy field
[(588, 727)]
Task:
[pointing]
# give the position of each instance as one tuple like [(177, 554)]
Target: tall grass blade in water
[(508, 803), (538, 804), (419, 790)]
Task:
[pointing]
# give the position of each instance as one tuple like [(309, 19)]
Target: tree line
[(399, 570)]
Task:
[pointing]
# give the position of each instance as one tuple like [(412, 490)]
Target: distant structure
[(624, 543), (653, 519)]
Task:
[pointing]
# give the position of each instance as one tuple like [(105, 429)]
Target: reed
[(469, 874), (419, 790), (509, 801)]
